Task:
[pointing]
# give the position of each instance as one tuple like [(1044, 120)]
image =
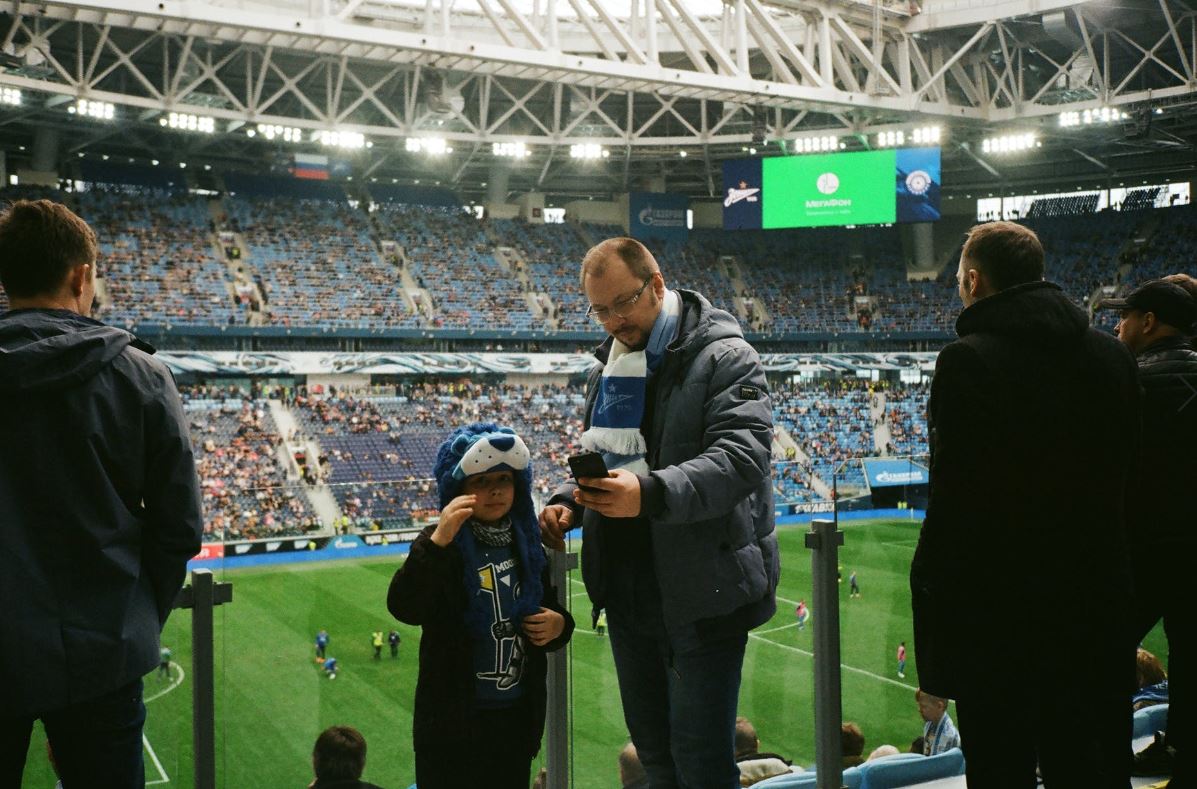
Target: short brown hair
[(852, 739), (635, 256), (1148, 669), (746, 740), (1007, 254), (40, 242), (340, 754)]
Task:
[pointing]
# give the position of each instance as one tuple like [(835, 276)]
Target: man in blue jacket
[(679, 545), (101, 508)]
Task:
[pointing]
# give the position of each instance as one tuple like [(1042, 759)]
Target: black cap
[(1171, 303)]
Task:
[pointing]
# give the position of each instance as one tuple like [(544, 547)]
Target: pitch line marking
[(176, 683), (165, 779), (157, 764), (760, 637)]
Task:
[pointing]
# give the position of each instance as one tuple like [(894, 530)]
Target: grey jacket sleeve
[(172, 494), (737, 436)]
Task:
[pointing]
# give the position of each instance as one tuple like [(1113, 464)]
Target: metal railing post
[(201, 596), (824, 540), (556, 744)]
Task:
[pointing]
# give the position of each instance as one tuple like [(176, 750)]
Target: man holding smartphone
[(679, 544)]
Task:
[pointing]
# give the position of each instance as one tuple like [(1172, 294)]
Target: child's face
[(930, 709), (495, 492)]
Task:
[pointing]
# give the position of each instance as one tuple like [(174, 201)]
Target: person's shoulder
[(144, 369)]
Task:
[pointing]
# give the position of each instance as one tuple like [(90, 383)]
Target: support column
[(45, 151)]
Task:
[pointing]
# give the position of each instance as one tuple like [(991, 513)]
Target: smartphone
[(587, 464)]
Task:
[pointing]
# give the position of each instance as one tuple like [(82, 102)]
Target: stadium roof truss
[(561, 72)]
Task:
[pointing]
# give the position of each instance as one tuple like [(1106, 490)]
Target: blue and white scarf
[(619, 406)]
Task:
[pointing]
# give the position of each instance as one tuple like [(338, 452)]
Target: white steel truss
[(659, 76)]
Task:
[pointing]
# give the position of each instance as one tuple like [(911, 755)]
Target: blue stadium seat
[(1149, 720), (907, 769), (806, 780)]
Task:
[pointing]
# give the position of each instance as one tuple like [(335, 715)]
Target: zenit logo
[(828, 183), (742, 194)]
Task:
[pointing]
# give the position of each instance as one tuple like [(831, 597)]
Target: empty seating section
[(318, 263), (450, 256), (906, 415), (1082, 251), (1067, 205), (245, 492), (157, 258), (553, 254)]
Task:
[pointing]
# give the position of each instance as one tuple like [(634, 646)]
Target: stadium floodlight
[(284, 133), (100, 110), (433, 146), (188, 122), (816, 144), (891, 139), (926, 135), (342, 139), (1009, 143), (1091, 116), (510, 150), (588, 150), (10, 96)]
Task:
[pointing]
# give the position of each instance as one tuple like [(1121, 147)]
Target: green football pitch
[(272, 699)]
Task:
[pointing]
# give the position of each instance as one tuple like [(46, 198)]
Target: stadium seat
[(807, 780), (907, 769), (1149, 720)]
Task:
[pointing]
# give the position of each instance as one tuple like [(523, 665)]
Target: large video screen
[(862, 188)]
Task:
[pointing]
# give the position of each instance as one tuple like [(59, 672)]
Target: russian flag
[(310, 165)]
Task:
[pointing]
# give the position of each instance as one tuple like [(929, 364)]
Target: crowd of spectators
[(245, 491)]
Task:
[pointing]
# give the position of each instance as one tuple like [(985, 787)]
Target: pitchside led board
[(860, 188)]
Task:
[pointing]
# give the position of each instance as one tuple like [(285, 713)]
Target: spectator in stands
[(754, 765), (683, 575), (1034, 423), (1151, 681), (852, 742), (101, 507), (631, 771), (1156, 319), (477, 582), (339, 759), (939, 733)]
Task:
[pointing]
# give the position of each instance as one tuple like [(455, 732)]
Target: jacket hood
[(1036, 312), (50, 350), (702, 323)]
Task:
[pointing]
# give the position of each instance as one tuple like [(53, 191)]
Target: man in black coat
[(99, 508), (1020, 583), (1155, 321)]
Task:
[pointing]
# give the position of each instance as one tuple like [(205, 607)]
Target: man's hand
[(555, 521), (455, 513), (543, 626), (614, 496)]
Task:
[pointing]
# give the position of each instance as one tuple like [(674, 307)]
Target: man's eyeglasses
[(619, 309)]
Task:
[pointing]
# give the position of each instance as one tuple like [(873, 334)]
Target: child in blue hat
[(477, 583)]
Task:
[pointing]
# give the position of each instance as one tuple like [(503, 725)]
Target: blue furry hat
[(478, 449)]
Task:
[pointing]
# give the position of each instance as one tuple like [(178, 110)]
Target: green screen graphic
[(836, 189)]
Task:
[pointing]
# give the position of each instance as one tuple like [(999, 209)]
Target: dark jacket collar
[(1032, 312), (1174, 343)]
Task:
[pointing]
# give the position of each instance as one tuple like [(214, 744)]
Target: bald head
[(634, 255)]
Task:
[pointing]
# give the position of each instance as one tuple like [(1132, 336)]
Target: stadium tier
[(276, 257)]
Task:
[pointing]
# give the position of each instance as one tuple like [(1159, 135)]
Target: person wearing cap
[(1033, 420), (1156, 320), (477, 582)]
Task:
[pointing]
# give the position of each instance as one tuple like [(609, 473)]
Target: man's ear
[(1149, 322), (78, 278)]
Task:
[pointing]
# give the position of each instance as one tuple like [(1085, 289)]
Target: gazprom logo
[(918, 182)]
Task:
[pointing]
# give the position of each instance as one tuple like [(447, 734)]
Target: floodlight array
[(100, 110), (433, 146), (188, 122), (10, 96), (1009, 143), (588, 150), (510, 150)]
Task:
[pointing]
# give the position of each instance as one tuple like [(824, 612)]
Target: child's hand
[(453, 516), (543, 626)]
